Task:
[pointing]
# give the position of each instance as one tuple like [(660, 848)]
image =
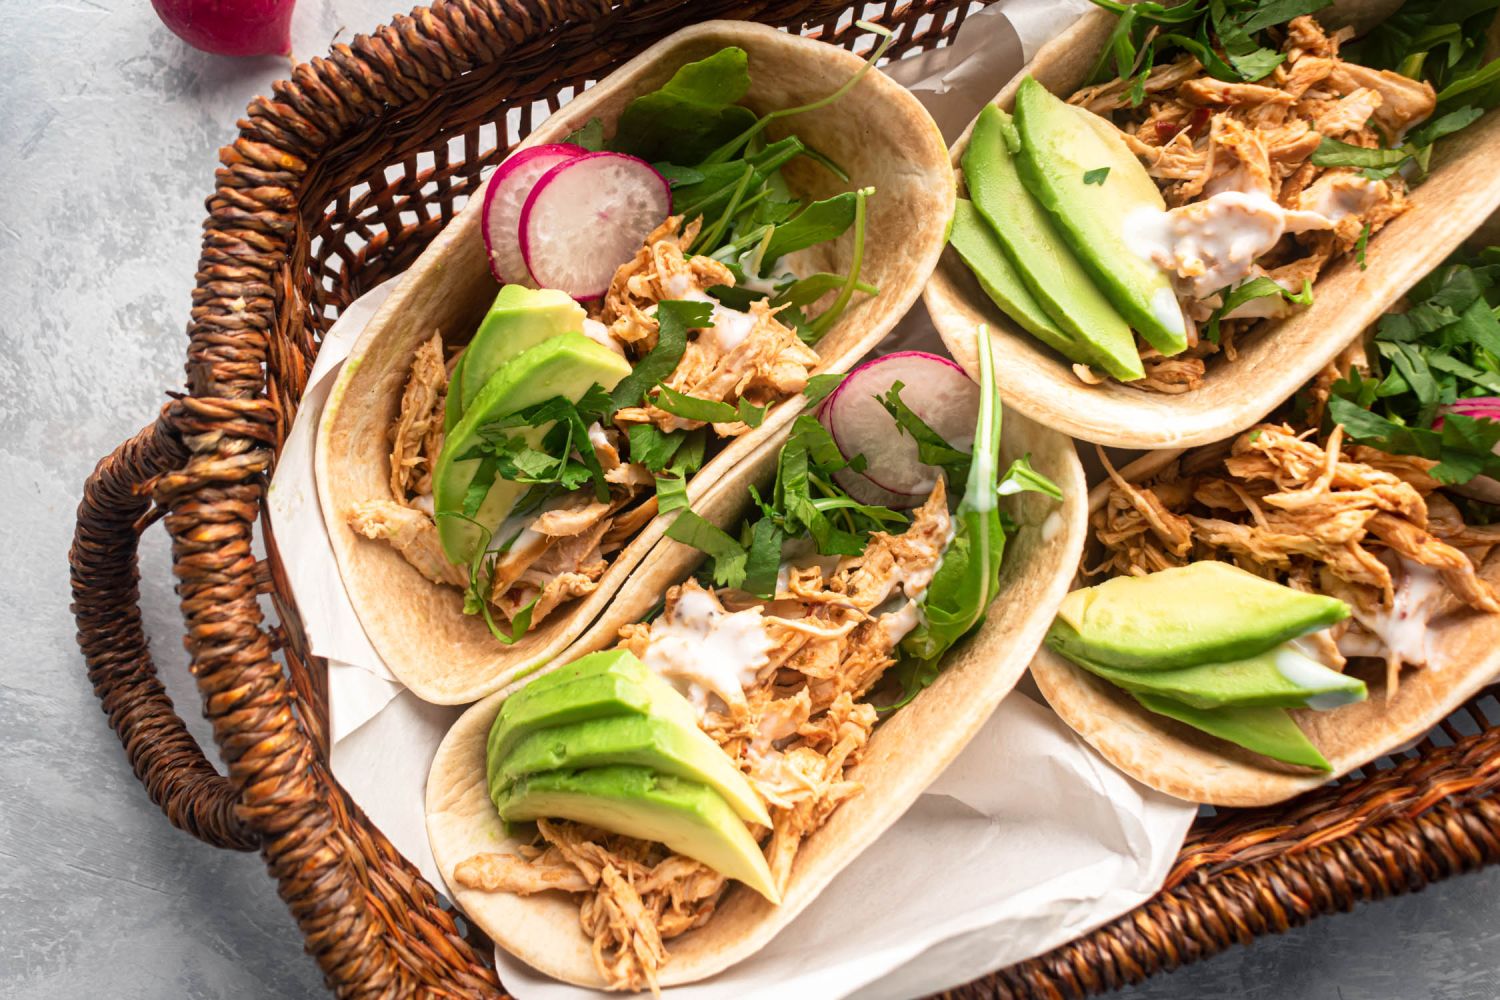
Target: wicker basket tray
[(336, 182)]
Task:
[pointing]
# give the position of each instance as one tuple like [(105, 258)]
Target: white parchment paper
[(1027, 841)]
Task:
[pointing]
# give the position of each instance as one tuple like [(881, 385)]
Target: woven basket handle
[(106, 604)]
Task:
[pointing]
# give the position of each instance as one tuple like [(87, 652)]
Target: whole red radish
[(231, 27)]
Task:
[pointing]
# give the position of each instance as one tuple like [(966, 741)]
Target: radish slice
[(1482, 488), (936, 389), (860, 488), (587, 216), (504, 198)]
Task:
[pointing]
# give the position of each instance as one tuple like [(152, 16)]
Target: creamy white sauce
[(1210, 244), (1341, 196), (731, 326), (1052, 526), (897, 624), (801, 554), (1400, 632), (1306, 672), (599, 334), (597, 437), (706, 651)]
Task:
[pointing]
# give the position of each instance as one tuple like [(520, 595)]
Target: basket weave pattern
[(336, 182)]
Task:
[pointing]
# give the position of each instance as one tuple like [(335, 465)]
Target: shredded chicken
[(417, 434), (799, 727), (564, 553), (751, 357), (1200, 137), (1362, 525)]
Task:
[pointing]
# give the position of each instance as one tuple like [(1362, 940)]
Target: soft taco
[(833, 656), (735, 211), (1294, 602), (1208, 202)]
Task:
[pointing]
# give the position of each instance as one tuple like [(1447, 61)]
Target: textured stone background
[(110, 127)]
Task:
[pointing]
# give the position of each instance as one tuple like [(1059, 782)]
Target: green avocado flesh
[(1205, 612), (1094, 332), (607, 742), (453, 406), (519, 319), (565, 365), (1059, 145), (1280, 677), (1264, 730), (687, 817), (981, 250), (662, 745)]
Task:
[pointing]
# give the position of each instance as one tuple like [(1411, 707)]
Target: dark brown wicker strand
[(336, 182)]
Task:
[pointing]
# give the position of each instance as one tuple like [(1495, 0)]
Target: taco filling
[(1229, 155), (523, 462), (1371, 491), (819, 614)]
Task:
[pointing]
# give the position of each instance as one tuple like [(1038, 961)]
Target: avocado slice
[(981, 250), (565, 365), (1282, 676), (1061, 143), (596, 686), (689, 818), (1204, 612), (1096, 334), (453, 403), (519, 318), (1265, 730), (610, 708), (663, 745)]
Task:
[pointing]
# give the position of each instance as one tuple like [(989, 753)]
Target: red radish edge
[(245, 28), (564, 151), (528, 210), (828, 407)]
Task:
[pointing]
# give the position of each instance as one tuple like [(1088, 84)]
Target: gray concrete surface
[(110, 127)]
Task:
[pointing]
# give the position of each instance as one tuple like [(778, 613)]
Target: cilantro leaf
[(931, 448), (671, 494), (1022, 478), (819, 386), (729, 556), (673, 319), (1096, 176)]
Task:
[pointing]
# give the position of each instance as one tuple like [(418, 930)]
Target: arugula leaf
[(819, 222), (1333, 153), (931, 448), (819, 386), (1273, 12), (968, 578), (692, 114), (673, 320), (806, 291), (1022, 478), (1096, 176), (590, 136), (728, 150), (830, 316), (720, 179)]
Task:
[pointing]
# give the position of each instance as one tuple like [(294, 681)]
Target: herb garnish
[(547, 458), (1096, 176), (1255, 288), (1444, 348)]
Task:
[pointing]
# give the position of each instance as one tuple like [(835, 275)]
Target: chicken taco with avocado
[(1284, 606), (872, 584), (1182, 192), (642, 295)]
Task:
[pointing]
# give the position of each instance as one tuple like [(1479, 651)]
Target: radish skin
[(587, 216), (504, 197), (230, 27), (936, 389)]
